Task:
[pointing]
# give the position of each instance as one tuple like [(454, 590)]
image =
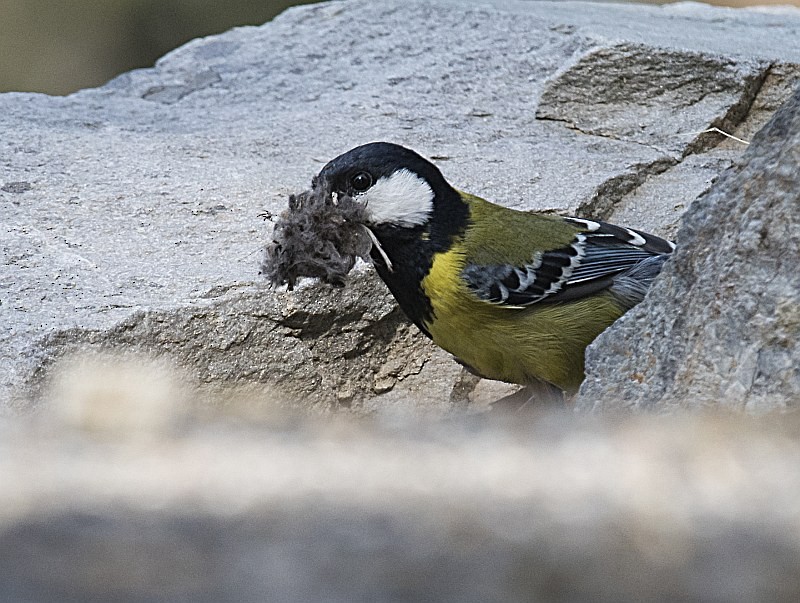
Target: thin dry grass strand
[(723, 132), (377, 246)]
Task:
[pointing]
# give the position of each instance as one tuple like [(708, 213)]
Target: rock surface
[(130, 212), (678, 509), (722, 325)]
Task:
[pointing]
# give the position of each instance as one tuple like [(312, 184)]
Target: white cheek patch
[(403, 199)]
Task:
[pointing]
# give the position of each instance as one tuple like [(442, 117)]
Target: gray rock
[(689, 509), (652, 96), (130, 212), (722, 325)]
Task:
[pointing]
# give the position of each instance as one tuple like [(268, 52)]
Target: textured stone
[(690, 509), (722, 325), (130, 212), (652, 96)]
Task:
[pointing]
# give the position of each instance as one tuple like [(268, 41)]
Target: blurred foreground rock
[(130, 212), (536, 508), (721, 327)]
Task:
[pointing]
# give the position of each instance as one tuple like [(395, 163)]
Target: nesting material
[(317, 236)]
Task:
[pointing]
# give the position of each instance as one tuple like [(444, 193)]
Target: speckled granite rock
[(722, 325)]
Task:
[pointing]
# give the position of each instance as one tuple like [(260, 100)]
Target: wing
[(598, 253)]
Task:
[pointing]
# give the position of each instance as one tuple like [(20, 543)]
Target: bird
[(514, 296)]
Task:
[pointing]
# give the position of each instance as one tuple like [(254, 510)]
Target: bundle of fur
[(317, 236)]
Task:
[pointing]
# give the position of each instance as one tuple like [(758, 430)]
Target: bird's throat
[(411, 251), (411, 258)]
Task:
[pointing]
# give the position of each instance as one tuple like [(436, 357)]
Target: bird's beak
[(342, 212)]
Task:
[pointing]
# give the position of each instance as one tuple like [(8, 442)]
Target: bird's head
[(361, 204), (395, 185)]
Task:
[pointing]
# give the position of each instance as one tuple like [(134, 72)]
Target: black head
[(397, 186)]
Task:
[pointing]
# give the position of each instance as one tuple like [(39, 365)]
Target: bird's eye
[(361, 181)]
